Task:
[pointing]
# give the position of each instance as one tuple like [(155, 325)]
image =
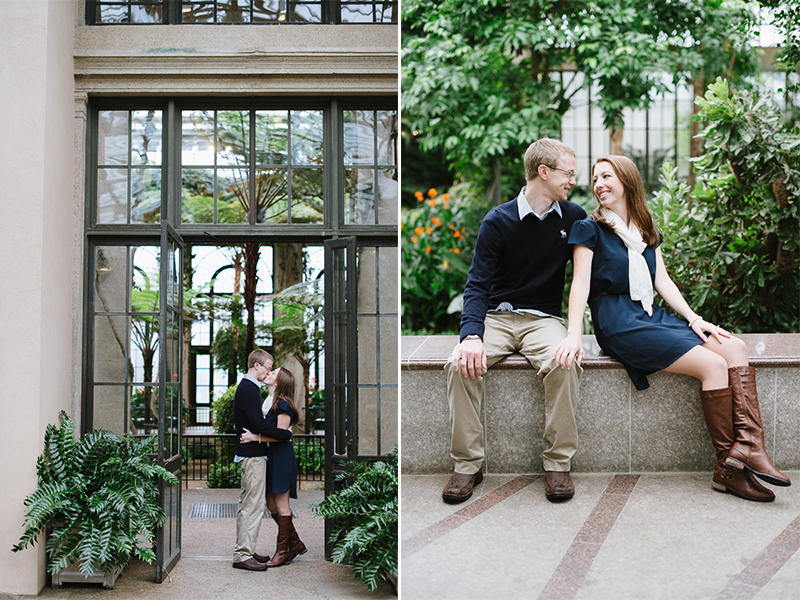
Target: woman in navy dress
[(617, 266), (281, 465)]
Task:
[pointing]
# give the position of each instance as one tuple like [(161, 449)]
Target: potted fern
[(98, 497), (366, 513)]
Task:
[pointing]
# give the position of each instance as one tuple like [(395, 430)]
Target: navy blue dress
[(281, 466), (643, 344)]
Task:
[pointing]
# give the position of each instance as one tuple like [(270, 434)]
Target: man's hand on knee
[(472, 356)]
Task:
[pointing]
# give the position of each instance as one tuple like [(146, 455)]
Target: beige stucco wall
[(36, 253)]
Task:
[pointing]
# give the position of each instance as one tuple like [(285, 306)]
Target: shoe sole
[(555, 498), (237, 566), (451, 499), (724, 489), (737, 464)]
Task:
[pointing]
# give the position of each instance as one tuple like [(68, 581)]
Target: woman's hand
[(248, 437), (569, 348), (699, 326)]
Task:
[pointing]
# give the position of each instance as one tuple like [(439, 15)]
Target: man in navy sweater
[(252, 460), (512, 303)]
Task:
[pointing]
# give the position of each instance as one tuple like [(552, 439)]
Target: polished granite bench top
[(427, 352)]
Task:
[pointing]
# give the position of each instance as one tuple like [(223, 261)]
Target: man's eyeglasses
[(569, 174)]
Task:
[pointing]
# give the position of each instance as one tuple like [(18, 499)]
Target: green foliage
[(366, 519), (99, 497), (310, 458), (732, 251), (438, 240), (477, 76), (222, 411), (224, 476)]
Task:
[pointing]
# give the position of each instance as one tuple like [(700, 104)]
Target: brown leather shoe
[(740, 483), (261, 558), (251, 564), (558, 486), (459, 488)]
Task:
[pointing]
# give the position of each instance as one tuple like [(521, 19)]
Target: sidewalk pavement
[(205, 572), (655, 536)]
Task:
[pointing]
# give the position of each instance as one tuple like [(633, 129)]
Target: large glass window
[(252, 166), (106, 12), (129, 160), (370, 166)]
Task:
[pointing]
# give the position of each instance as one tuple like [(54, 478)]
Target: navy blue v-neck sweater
[(519, 262)]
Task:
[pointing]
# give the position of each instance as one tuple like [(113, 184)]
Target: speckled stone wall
[(620, 429)]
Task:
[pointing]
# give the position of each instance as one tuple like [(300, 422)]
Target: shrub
[(438, 240), (224, 476), (732, 249), (365, 510)]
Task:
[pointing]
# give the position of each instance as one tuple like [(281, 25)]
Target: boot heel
[(734, 463), (719, 487)]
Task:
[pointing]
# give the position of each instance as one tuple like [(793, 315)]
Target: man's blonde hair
[(545, 151), (258, 356)]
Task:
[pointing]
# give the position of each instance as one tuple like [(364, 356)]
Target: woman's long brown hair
[(284, 390), (638, 211)]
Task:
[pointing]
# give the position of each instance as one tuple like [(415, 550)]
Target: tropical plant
[(365, 509), (99, 497)]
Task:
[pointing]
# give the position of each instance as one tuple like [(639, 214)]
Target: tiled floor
[(651, 536)]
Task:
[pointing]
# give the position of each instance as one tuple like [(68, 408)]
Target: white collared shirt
[(524, 207)]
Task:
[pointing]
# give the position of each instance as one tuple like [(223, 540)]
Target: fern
[(366, 515), (96, 495)]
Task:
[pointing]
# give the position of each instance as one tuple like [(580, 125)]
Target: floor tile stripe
[(470, 511), (571, 571), (763, 567)]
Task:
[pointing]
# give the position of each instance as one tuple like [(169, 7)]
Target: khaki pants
[(535, 338), (251, 506)]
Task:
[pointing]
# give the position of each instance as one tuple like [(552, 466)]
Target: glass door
[(340, 364), (168, 537)]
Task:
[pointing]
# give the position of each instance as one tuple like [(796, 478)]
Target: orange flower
[(455, 250), (436, 221), (446, 199), (458, 234), (419, 196), (429, 230), (419, 230), (414, 239), (428, 249), (433, 193), (402, 225), (433, 202), (451, 226)]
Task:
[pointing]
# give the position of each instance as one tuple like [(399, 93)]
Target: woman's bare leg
[(282, 504), (706, 365)]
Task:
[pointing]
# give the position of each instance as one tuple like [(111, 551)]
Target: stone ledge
[(620, 429), (431, 352)]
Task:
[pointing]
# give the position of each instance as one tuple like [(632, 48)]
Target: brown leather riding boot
[(718, 411), (296, 546), (748, 450), (282, 549)]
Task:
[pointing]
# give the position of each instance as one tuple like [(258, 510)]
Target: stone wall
[(620, 429)]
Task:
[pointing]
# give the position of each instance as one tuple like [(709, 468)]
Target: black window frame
[(172, 11)]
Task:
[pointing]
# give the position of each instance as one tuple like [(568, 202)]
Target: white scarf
[(640, 283)]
